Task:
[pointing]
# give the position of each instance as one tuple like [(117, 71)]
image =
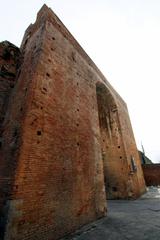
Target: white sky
[(122, 37)]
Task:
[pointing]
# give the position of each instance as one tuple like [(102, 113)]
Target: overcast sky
[(122, 37)]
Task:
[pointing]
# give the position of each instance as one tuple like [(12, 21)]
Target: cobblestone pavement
[(127, 220)]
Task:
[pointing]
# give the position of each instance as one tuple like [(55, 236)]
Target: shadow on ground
[(135, 220)]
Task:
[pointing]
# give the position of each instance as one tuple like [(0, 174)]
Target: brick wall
[(9, 64), (118, 147), (58, 184), (151, 174), (53, 134)]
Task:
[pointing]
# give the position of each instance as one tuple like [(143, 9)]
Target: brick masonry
[(10, 58), (151, 174), (67, 141)]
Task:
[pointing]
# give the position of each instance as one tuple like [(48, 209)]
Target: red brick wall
[(113, 152), (118, 147), (52, 128), (135, 180), (58, 183), (9, 63), (151, 174)]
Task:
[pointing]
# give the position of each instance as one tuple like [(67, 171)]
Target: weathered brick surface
[(151, 174), (135, 181), (10, 58), (118, 147), (9, 62), (66, 129)]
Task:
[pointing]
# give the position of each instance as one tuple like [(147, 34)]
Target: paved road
[(127, 220)]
